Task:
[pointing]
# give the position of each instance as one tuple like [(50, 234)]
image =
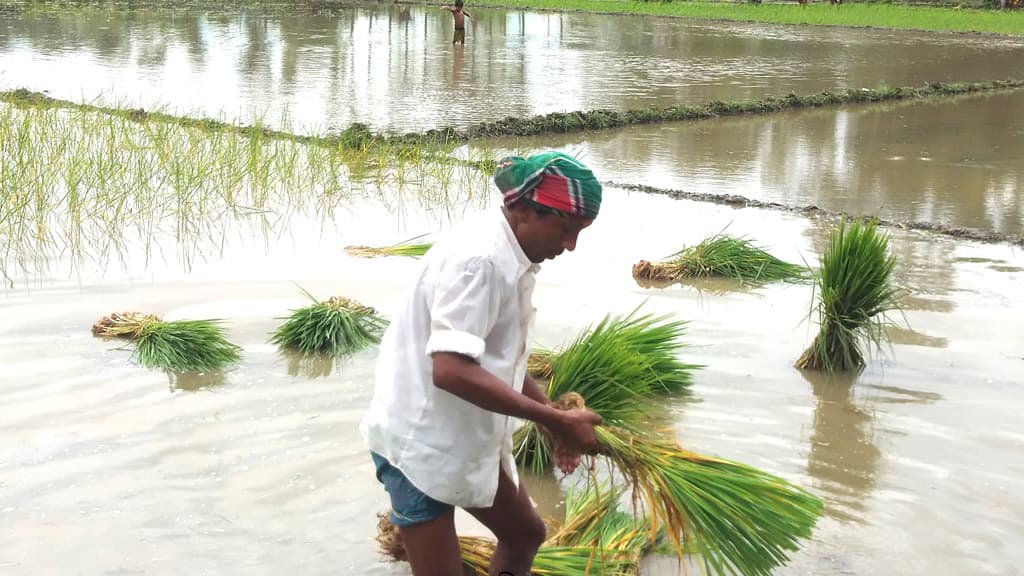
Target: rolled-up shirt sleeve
[(465, 307)]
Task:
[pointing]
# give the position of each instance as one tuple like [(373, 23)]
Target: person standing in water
[(451, 382), (460, 15)]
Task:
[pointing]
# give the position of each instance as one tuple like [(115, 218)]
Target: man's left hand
[(566, 460)]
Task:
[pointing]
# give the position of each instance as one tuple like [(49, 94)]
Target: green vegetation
[(619, 364), (855, 293), (721, 255), (405, 248), (875, 15), (335, 327), (80, 182), (738, 519), (179, 346)]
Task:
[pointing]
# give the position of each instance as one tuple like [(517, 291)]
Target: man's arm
[(461, 376)]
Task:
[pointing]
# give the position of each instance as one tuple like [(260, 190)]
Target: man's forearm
[(471, 382)]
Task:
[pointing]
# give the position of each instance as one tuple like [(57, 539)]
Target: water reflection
[(310, 365), (321, 66), (195, 381), (895, 161), (843, 455)]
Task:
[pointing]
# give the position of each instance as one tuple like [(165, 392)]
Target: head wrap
[(552, 181)]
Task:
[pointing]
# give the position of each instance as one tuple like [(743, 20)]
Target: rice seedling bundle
[(855, 293), (179, 345), (335, 327), (405, 248), (595, 538), (618, 365), (721, 255), (738, 519)]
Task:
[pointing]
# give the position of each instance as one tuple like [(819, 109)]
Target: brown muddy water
[(393, 66), (106, 468), (953, 161)]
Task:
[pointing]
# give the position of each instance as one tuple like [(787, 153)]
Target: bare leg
[(432, 547), (517, 525)]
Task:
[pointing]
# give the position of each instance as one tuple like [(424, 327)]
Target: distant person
[(460, 15)]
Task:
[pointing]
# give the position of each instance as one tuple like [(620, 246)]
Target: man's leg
[(427, 526), (518, 527), (432, 547)]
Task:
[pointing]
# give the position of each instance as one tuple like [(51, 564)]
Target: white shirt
[(473, 297)]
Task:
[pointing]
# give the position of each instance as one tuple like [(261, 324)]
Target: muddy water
[(393, 67), (106, 468), (950, 161)]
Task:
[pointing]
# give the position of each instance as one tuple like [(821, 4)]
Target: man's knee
[(533, 532)]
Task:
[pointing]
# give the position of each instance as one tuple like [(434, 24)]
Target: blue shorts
[(408, 505)]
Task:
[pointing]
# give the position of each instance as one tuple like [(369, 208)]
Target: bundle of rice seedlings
[(721, 255), (617, 365), (738, 519), (596, 538), (179, 345), (333, 327), (592, 518), (855, 293), (405, 248)]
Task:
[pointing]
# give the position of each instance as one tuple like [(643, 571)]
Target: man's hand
[(573, 432)]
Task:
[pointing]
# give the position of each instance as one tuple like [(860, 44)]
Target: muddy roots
[(654, 271), (390, 539), (539, 365), (123, 324)]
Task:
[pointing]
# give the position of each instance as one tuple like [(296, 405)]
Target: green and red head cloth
[(550, 181)]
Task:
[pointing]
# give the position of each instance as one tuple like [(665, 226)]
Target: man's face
[(546, 236)]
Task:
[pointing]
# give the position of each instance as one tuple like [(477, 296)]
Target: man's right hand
[(574, 430)]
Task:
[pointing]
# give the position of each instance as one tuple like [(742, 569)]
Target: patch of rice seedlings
[(178, 345), (855, 293), (404, 248), (334, 327), (737, 519), (592, 518), (619, 364), (721, 255)]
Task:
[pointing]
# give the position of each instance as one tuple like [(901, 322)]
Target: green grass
[(873, 15), (179, 345), (335, 327), (720, 255), (619, 365), (855, 294)]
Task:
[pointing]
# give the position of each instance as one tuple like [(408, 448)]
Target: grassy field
[(856, 15)]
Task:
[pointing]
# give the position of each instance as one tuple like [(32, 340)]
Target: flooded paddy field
[(108, 468)]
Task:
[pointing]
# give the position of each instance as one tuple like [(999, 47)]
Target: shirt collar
[(525, 265)]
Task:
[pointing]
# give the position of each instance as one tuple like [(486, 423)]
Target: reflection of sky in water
[(895, 161), (393, 67)]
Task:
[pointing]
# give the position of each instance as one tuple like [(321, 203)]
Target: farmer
[(451, 377), (460, 15)]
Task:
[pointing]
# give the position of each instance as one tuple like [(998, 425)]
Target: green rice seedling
[(335, 327), (404, 248), (592, 518), (721, 255), (619, 364), (855, 294), (738, 519), (179, 345)]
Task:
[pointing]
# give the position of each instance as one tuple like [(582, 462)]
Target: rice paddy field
[(109, 467)]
